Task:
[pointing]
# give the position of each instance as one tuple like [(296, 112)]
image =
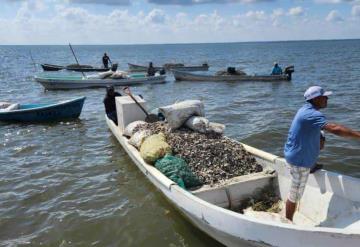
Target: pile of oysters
[(212, 157)]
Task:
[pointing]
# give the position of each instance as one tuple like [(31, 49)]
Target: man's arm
[(340, 130)]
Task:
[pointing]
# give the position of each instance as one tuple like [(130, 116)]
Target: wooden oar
[(150, 118), (76, 59)]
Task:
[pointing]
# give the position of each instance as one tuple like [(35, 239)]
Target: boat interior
[(327, 200)]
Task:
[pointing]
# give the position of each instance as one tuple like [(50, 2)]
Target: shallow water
[(71, 184)]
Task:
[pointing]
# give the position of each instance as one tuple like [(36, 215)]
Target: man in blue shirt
[(276, 70), (303, 143)]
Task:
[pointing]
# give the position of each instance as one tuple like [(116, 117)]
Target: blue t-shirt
[(303, 144), (276, 71)]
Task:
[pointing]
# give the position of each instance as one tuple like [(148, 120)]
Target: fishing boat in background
[(328, 214), (182, 67), (43, 112), (76, 82), (76, 67), (186, 76)]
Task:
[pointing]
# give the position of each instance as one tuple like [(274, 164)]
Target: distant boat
[(185, 76), (75, 67), (76, 82), (182, 67), (45, 112)]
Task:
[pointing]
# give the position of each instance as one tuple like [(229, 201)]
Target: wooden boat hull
[(52, 83), (45, 112), (184, 76), (141, 68), (52, 67), (232, 228)]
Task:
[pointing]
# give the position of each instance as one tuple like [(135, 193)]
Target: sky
[(31, 22)]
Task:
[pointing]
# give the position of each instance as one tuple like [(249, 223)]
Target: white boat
[(328, 214), (186, 76), (75, 82)]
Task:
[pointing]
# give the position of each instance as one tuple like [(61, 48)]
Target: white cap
[(315, 91)]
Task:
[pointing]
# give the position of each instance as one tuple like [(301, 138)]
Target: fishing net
[(178, 171)]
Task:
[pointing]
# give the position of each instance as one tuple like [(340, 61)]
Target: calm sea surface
[(71, 184)]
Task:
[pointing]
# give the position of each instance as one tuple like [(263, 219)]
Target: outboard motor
[(162, 72), (288, 71), (231, 70), (114, 67)]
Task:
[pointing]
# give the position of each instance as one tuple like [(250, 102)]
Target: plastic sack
[(105, 74), (154, 147), (216, 128), (11, 107), (178, 171), (93, 76), (178, 113), (131, 127), (4, 105), (198, 124), (138, 138), (119, 75)]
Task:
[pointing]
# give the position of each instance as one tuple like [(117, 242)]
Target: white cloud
[(195, 2), (64, 23), (355, 11), (256, 15), (277, 13), (105, 2), (156, 16), (334, 16), (296, 11)]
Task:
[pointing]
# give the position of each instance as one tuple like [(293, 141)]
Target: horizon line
[(190, 43)]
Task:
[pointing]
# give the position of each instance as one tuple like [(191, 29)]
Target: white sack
[(129, 130), (178, 113), (105, 74), (93, 76), (138, 138), (4, 105), (11, 108), (119, 75), (198, 124), (216, 128)]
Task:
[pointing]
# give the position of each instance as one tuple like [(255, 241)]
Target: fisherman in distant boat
[(109, 103), (276, 69), (106, 60), (151, 70), (305, 141)]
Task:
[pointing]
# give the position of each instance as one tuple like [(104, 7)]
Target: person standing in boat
[(276, 69), (109, 103), (106, 60), (151, 70), (305, 141)]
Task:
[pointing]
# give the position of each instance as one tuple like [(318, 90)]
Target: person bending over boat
[(151, 70), (106, 60), (109, 103), (303, 146), (276, 70)]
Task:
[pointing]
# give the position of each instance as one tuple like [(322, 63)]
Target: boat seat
[(230, 193)]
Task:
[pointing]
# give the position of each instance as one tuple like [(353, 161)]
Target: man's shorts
[(299, 177)]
